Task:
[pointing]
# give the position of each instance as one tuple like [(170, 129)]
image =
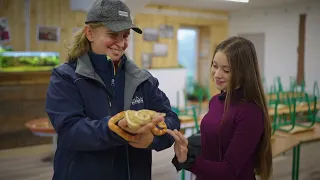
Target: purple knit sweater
[(240, 134)]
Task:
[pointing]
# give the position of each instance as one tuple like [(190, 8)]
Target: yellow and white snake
[(136, 119)]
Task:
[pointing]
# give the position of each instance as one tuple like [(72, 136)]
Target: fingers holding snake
[(132, 122)]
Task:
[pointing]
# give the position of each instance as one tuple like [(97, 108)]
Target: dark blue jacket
[(79, 105)]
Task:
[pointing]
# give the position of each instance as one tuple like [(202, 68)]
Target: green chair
[(297, 119)]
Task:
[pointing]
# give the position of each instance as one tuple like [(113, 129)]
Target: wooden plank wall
[(155, 20), (219, 34), (57, 13), (24, 101), (204, 59), (211, 30), (54, 13), (14, 11)]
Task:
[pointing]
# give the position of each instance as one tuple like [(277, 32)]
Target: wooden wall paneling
[(25, 93), (217, 34), (141, 46), (145, 20), (14, 11), (203, 56), (56, 14)]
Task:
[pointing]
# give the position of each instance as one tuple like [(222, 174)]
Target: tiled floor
[(26, 164)]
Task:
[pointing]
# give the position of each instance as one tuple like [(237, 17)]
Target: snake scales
[(136, 119)]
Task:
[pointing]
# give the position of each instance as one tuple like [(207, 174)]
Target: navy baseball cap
[(113, 14)]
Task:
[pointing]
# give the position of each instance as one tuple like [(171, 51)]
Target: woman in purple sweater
[(236, 131)]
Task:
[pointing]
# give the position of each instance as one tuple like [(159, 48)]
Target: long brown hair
[(244, 70), (80, 43)]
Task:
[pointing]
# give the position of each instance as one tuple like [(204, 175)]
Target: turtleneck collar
[(238, 94)]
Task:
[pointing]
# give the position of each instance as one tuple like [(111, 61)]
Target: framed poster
[(5, 35), (48, 34)]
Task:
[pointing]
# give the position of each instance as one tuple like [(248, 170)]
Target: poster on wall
[(146, 60), (160, 50), (166, 31), (4, 30), (48, 34), (150, 34)]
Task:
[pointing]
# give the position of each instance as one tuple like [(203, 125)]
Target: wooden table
[(309, 136), (303, 138), (283, 95), (299, 109), (43, 128), (283, 143)]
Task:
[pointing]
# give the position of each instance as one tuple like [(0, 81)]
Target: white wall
[(281, 27), (172, 81)]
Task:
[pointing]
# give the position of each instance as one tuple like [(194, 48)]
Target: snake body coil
[(136, 119)]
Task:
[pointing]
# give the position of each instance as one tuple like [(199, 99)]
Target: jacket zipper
[(113, 83), (108, 92), (113, 91)]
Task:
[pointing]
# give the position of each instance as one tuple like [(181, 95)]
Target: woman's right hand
[(180, 145)]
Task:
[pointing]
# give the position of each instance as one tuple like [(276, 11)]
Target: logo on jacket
[(137, 100)]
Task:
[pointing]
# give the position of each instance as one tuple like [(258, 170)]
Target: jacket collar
[(134, 76), (85, 68)]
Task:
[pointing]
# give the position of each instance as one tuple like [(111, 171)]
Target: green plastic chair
[(300, 120)]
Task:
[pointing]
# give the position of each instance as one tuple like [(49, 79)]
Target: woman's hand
[(180, 145), (141, 130), (144, 134), (143, 141)]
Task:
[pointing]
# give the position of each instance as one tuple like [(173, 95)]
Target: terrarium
[(16, 61)]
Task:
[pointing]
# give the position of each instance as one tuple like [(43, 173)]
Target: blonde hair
[(80, 43)]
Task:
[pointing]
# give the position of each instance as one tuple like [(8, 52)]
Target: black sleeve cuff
[(186, 165), (194, 150)]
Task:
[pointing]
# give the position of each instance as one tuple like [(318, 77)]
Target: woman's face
[(220, 71), (104, 41)]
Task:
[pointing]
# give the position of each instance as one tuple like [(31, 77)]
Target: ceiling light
[(241, 1)]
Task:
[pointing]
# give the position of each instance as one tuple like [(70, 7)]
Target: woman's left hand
[(180, 145)]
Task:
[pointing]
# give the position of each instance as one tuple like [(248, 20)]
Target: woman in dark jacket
[(96, 83)]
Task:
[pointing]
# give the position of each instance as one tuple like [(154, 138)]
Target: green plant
[(199, 92)]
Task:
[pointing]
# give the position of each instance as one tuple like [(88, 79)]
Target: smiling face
[(104, 41), (220, 70)]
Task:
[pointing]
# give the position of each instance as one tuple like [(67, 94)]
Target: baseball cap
[(114, 14)]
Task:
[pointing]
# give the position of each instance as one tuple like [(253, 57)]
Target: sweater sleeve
[(248, 131)]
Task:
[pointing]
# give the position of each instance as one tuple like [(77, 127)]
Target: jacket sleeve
[(66, 112), (159, 102), (248, 131)]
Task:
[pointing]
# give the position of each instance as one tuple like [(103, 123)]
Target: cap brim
[(117, 26)]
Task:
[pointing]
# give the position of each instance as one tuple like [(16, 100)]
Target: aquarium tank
[(15, 61)]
